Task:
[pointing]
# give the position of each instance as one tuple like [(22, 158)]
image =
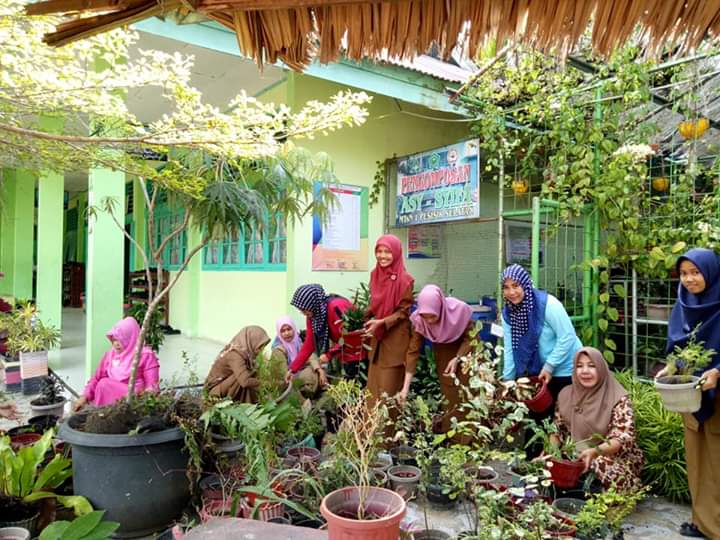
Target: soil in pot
[(13, 509), (404, 480), (24, 439), (568, 507), (309, 523)]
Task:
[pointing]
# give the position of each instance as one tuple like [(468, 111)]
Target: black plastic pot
[(139, 480), (44, 421)]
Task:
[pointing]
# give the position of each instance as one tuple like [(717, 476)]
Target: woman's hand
[(662, 373), (711, 379), (289, 377), (322, 376), (372, 325), (545, 376), (588, 456), (401, 396), (79, 404), (451, 367), (324, 359)]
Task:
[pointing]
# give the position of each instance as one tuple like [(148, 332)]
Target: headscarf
[(291, 347), (248, 343), (126, 332), (526, 320), (588, 411), (702, 309), (453, 315), (313, 298), (388, 285)]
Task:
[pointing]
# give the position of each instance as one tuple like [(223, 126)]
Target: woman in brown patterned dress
[(597, 413)]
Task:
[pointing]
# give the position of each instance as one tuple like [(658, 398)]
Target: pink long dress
[(111, 378)]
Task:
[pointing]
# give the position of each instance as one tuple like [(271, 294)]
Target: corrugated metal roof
[(429, 65)]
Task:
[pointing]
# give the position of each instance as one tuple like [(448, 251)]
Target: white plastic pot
[(682, 397)]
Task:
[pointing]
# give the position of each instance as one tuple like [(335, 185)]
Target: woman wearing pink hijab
[(446, 322), (110, 382), (285, 349)]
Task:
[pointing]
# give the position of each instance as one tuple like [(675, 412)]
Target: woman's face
[(513, 291), (430, 318), (287, 333), (691, 277), (586, 371), (117, 346), (384, 256)]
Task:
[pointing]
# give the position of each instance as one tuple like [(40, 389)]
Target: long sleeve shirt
[(557, 347), (147, 378)]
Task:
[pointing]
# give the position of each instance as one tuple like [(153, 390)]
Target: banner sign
[(439, 185), (424, 242)]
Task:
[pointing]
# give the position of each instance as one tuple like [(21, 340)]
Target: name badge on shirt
[(496, 330)]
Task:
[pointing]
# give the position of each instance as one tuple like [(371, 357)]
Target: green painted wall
[(17, 219), (50, 217)]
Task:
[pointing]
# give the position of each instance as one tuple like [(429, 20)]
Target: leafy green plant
[(86, 527), (154, 336), (23, 475), (271, 371), (607, 510), (553, 445), (683, 362), (50, 392), (354, 318), (27, 332), (660, 436)]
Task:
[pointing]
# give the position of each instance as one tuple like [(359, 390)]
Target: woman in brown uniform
[(447, 323), (232, 375), (388, 330)]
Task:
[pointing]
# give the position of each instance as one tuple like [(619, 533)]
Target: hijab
[(388, 285), (291, 347), (453, 315), (312, 298), (526, 320), (701, 312), (588, 411), (126, 332), (247, 343)]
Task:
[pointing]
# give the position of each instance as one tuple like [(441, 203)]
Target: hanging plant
[(693, 129)]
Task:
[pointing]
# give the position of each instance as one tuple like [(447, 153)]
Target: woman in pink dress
[(110, 382)]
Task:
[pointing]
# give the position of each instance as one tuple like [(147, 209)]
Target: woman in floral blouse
[(597, 413)]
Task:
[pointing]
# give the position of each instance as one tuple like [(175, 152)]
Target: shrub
[(661, 438)]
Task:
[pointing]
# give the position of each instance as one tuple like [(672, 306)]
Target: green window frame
[(175, 251), (250, 248)]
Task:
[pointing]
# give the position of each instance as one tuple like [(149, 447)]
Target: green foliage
[(154, 336), (87, 527), (27, 332), (23, 476), (660, 436), (684, 361), (271, 370), (607, 510), (379, 181), (354, 318)]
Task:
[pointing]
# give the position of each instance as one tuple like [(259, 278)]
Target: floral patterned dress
[(622, 469)]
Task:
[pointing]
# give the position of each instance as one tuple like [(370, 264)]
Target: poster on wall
[(341, 244), (424, 242), (439, 185), (518, 243)]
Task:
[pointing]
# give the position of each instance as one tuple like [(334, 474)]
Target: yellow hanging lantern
[(661, 184), (520, 186)]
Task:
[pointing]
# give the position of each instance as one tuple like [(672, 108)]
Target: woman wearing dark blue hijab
[(697, 312)]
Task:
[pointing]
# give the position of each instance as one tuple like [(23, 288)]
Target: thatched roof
[(295, 31)]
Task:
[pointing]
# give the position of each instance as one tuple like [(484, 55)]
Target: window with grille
[(167, 220)]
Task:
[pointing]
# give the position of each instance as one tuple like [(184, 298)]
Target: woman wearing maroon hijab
[(388, 330)]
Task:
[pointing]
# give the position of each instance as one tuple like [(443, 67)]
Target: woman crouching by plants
[(447, 323), (596, 412), (234, 373), (286, 347), (695, 320), (110, 381), (324, 324)]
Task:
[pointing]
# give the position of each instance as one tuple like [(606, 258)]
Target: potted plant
[(25, 480), (363, 511), (604, 512), (565, 468), (86, 527), (679, 388), (531, 391), (51, 401)]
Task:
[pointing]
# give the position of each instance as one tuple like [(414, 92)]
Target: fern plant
[(354, 318)]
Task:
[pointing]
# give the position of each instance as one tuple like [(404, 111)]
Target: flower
[(638, 152)]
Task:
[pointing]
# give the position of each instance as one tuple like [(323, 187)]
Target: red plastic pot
[(213, 509), (21, 440), (353, 349), (386, 507), (542, 400), (564, 473)]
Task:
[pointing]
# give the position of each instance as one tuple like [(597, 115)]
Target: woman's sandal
[(691, 530)]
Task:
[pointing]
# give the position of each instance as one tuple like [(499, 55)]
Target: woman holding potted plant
[(286, 347), (110, 381), (388, 329), (540, 340), (324, 324), (597, 414), (234, 372), (696, 318), (447, 323)]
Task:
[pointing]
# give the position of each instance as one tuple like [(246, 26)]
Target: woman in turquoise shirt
[(539, 338)]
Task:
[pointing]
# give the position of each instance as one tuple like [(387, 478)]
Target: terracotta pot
[(340, 508), (22, 440), (565, 473), (542, 400)]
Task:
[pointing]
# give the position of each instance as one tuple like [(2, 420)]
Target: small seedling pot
[(404, 480)]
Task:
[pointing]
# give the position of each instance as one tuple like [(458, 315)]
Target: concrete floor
[(69, 361)]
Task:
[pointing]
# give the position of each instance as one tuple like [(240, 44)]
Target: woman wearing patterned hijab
[(324, 325), (539, 337)]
